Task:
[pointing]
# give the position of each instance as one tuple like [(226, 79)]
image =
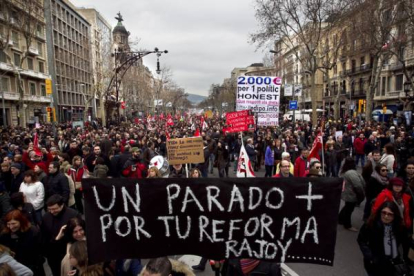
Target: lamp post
[(124, 61)]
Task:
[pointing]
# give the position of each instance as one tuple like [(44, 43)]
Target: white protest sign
[(288, 90), (259, 94), (268, 119), (338, 134)]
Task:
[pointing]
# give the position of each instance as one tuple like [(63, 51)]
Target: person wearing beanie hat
[(395, 192), (17, 178), (134, 167)]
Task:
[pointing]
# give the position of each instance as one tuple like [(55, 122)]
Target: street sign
[(48, 83), (297, 92), (293, 105)]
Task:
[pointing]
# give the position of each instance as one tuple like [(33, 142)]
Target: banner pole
[(186, 169)]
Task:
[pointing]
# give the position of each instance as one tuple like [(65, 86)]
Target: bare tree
[(302, 26)]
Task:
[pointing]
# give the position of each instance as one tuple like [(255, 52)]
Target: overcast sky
[(205, 39)]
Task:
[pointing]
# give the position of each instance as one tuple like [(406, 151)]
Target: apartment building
[(102, 63), (23, 57), (69, 49)]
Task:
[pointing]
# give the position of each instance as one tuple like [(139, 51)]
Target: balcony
[(33, 51)]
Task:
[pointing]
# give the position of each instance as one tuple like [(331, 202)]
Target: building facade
[(23, 63), (69, 49), (102, 63)]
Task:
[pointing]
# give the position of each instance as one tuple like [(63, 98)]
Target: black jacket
[(16, 181), (27, 247), (57, 184)]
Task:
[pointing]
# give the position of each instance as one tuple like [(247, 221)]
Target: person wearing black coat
[(57, 216), (17, 177), (24, 240), (56, 183), (377, 182), (380, 238)]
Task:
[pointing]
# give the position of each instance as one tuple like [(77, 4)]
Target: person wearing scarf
[(377, 182), (395, 192), (380, 238)]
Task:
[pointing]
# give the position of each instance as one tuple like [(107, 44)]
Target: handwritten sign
[(280, 220), (185, 150)]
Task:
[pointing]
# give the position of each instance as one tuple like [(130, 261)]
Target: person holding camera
[(134, 166)]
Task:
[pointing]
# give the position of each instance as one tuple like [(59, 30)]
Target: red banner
[(238, 121)]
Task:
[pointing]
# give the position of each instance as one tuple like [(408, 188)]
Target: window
[(5, 84), (16, 59), (362, 61), (40, 48), (43, 90), (32, 88), (15, 39), (389, 84), (384, 79), (30, 63), (41, 67), (3, 56), (39, 30), (399, 82)]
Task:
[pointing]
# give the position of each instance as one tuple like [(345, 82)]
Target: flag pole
[(323, 156)]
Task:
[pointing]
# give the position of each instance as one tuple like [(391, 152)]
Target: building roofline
[(73, 8)]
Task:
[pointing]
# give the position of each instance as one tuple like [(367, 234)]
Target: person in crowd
[(195, 173), (270, 158), (286, 156), (395, 192), (57, 216), (302, 164), (10, 265), (314, 173), (278, 151), (241, 267), (259, 147), (251, 152), (284, 169), (65, 170), (158, 267), (330, 161), (33, 192), (100, 170), (5, 205), (359, 144), (222, 159), (153, 172), (6, 175), (17, 177), (380, 238), (17, 202), (134, 167), (316, 164), (40, 171), (74, 150), (341, 150), (352, 194), (149, 153), (212, 147), (377, 182), (57, 183), (24, 240), (77, 172), (388, 159), (73, 231), (178, 171), (373, 161), (370, 145)]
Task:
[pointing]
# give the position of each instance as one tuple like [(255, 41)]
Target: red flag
[(167, 135), (197, 133), (162, 116), (317, 146), (170, 121), (36, 148)]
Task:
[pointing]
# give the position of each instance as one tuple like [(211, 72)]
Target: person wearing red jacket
[(134, 167), (33, 157), (301, 164), (395, 193), (359, 145)]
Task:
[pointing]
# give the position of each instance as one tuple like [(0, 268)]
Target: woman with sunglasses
[(395, 192), (380, 239), (377, 182)]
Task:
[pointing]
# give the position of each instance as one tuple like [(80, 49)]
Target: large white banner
[(259, 94), (268, 119)]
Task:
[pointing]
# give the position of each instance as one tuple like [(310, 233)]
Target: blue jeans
[(362, 157)]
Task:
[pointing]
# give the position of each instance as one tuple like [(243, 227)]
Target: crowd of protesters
[(42, 169)]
